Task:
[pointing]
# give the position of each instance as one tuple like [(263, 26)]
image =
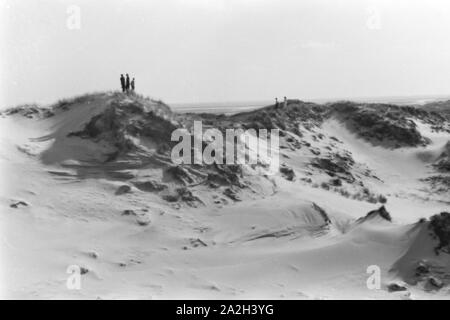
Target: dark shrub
[(440, 225)]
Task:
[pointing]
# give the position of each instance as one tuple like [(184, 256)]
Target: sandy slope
[(278, 245), (400, 170)]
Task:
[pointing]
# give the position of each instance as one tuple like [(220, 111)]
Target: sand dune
[(89, 182)]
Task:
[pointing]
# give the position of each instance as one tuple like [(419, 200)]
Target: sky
[(224, 50)]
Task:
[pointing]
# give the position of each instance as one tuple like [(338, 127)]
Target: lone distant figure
[(276, 102), (132, 85), (127, 83), (122, 82), (285, 103)]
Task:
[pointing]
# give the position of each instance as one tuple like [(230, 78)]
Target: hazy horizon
[(249, 103), (198, 51)]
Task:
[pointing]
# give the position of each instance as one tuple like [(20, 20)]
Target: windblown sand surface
[(89, 183)]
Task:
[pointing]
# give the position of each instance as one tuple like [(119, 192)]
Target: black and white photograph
[(224, 150)]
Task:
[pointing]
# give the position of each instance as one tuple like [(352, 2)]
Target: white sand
[(269, 247)]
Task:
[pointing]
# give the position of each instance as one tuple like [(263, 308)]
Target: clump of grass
[(382, 199), (440, 225)]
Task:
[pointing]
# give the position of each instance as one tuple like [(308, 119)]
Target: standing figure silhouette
[(127, 83), (122, 82)]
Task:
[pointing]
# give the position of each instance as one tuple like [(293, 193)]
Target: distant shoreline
[(240, 106)]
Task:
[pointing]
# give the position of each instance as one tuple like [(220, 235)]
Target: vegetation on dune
[(385, 124), (440, 226)]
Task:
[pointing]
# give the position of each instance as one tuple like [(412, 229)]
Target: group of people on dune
[(277, 104), (127, 85)]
